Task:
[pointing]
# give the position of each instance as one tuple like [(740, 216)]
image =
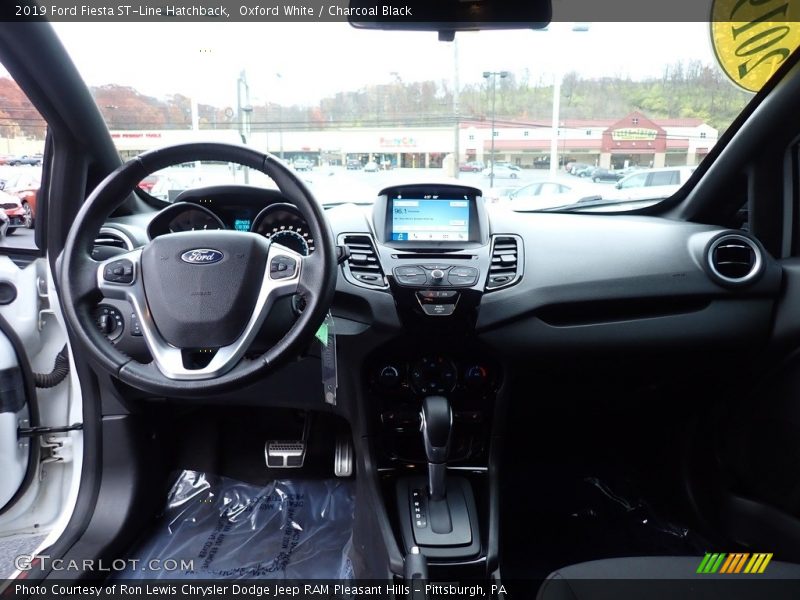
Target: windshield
[(611, 112)]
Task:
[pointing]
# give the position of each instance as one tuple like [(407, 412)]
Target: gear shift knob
[(437, 423)]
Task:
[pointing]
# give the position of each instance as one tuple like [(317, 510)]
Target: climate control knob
[(437, 274), (476, 376)]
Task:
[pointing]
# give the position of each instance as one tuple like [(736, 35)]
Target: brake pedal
[(343, 456), (284, 454)]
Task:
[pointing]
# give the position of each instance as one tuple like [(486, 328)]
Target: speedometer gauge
[(283, 224)]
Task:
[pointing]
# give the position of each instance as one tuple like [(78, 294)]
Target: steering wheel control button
[(136, 328), (463, 276), (282, 267), (119, 271)]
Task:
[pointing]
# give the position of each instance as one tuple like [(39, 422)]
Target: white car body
[(503, 172), (546, 194), (650, 184)]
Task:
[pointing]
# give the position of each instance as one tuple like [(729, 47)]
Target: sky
[(299, 63)]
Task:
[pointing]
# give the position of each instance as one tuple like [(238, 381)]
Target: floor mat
[(590, 518), (220, 528)]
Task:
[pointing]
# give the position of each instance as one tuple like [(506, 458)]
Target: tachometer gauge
[(183, 216), (194, 220), (283, 224)]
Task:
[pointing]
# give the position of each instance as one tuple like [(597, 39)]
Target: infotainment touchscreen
[(430, 218)]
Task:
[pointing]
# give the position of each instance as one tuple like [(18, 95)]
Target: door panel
[(36, 334), (13, 411)]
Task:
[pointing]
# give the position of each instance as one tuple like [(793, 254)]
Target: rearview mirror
[(449, 16)]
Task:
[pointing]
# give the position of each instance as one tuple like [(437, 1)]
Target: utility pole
[(244, 110), (493, 75), (554, 125), (456, 133), (280, 119)]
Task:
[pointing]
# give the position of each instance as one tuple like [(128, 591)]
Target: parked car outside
[(302, 164), (147, 183), (601, 174), (548, 194), (16, 214), (503, 171), (499, 194), (3, 223), (650, 183), (582, 170), (33, 160), (371, 167), (25, 186), (353, 164), (473, 166)]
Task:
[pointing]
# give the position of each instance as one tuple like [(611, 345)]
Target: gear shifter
[(437, 423), (438, 515)]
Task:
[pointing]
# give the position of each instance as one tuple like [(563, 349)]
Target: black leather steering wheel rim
[(80, 293)]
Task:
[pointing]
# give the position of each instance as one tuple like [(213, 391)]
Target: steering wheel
[(196, 293)]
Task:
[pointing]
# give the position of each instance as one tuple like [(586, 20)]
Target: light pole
[(557, 80), (456, 131), (280, 120), (244, 109), (493, 75)]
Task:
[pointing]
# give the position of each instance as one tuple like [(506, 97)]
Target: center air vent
[(506, 265), (110, 243), (363, 264), (734, 259)]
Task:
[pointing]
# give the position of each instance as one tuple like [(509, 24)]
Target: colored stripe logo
[(737, 562)]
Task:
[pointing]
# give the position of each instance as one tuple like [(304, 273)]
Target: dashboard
[(431, 261)]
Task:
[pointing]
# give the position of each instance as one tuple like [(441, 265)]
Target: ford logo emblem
[(202, 256)]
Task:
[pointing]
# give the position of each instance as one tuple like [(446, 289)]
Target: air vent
[(506, 266), (363, 263), (110, 243), (734, 259)]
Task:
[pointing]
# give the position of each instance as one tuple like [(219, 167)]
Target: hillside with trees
[(688, 89)]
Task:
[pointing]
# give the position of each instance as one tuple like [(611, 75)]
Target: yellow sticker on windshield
[(752, 38)]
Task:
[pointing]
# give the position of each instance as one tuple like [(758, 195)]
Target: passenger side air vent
[(363, 264), (735, 259), (110, 243), (506, 266)]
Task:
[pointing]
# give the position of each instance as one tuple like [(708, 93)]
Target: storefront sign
[(752, 38), (634, 134), (398, 142)]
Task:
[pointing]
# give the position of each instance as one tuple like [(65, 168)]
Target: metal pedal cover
[(284, 454), (343, 457)]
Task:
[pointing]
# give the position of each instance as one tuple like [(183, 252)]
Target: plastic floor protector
[(220, 528)]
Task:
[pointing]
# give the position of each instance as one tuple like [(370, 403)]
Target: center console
[(433, 391)]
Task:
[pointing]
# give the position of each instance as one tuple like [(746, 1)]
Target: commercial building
[(632, 140)]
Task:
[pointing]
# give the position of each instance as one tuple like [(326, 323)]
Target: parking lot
[(22, 238), (334, 184)]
